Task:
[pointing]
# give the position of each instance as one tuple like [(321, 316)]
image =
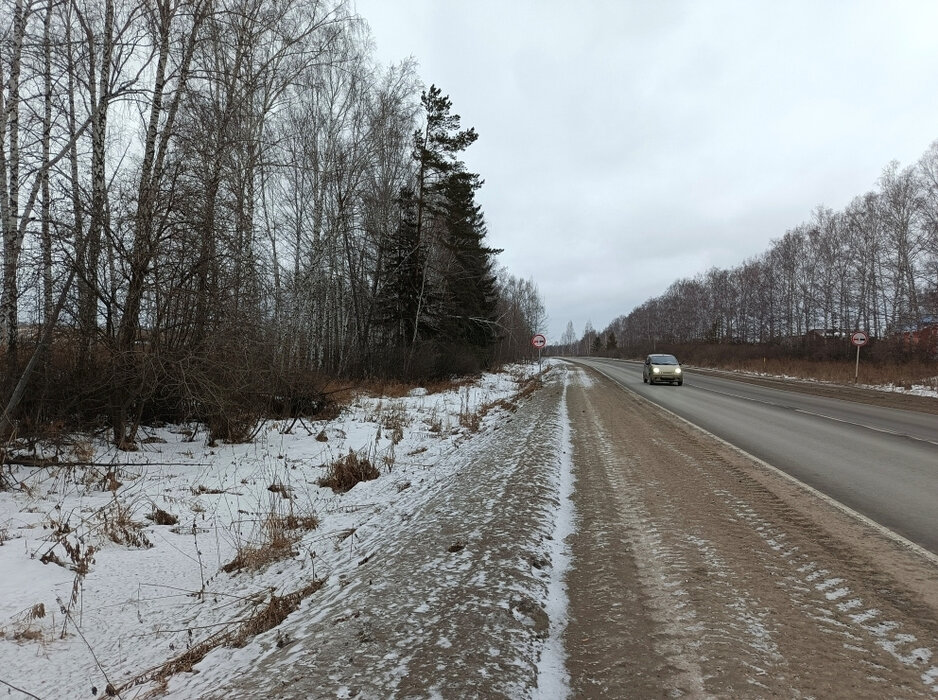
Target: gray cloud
[(627, 144)]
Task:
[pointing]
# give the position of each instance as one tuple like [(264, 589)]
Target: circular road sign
[(859, 338), (538, 341)]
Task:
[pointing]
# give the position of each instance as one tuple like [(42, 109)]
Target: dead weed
[(278, 535), (345, 472), (267, 614)]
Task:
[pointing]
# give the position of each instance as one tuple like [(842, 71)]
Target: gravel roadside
[(697, 571)]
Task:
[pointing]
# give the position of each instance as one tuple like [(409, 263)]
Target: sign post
[(539, 341), (859, 339)]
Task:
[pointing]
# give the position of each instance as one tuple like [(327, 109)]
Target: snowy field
[(110, 572)]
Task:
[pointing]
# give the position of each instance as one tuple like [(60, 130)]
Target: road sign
[(539, 341), (859, 338)]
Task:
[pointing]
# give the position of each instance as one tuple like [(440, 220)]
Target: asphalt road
[(882, 463)]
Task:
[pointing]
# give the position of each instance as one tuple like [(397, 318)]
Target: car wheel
[(680, 382), (644, 379)]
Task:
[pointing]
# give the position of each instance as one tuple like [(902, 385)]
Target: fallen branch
[(19, 690), (28, 461), (264, 619)]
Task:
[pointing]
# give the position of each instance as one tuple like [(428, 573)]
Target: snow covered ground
[(108, 573), (111, 571)]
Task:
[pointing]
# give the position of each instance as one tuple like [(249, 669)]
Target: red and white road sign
[(859, 338), (538, 341)]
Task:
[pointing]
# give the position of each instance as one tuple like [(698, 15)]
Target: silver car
[(662, 368)]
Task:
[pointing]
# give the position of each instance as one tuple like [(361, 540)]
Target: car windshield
[(664, 360)]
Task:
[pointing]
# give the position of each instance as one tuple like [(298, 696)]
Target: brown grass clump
[(120, 527), (279, 533), (347, 471), (24, 629), (161, 517), (394, 422)]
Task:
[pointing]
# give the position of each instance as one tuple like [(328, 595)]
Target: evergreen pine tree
[(440, 283), (436, 150), (399, 298), (470, 296), (597, 344)]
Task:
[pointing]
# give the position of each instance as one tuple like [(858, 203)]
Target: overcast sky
[(627, 144)]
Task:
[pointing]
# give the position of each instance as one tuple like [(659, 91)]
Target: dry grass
[(394, 421), (161, 517), (278, 535), (473, 420), (345, 472), (120, 527), (907, 375), (267, 614), (24, 624)]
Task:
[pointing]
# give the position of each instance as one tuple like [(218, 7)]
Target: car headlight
[(655, 370), (677, 370)]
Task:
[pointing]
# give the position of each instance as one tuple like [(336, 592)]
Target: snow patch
[(553, 681)]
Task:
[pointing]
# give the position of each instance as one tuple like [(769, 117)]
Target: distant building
[(922, 337), (825, 334)]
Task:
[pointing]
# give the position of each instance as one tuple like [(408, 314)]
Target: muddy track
[(699, 572)]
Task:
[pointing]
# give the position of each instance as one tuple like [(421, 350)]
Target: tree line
[(872, 266), (210, 207)]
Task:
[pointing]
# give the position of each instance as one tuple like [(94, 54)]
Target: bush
[(347, 471)]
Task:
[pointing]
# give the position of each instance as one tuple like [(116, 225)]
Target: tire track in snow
[(836, 604), (553, 681)]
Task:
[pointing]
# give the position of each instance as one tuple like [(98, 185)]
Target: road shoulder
[(737, 581)]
